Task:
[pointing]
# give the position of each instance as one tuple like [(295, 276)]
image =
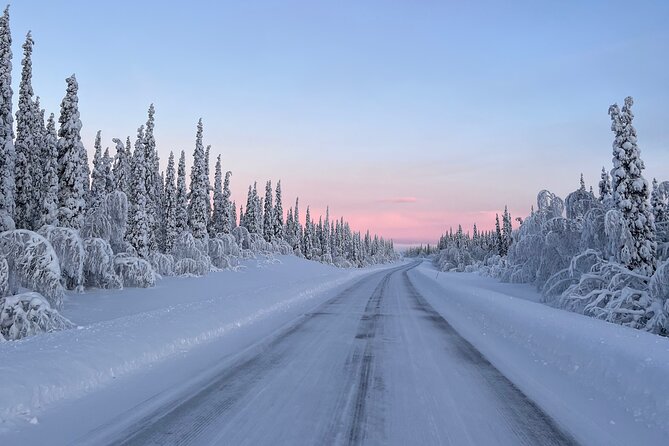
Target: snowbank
[(123, 332), (601, 380)]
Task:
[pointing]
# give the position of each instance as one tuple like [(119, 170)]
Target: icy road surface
[(376, 364)]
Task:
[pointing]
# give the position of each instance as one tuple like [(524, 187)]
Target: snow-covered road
[(375, 364)]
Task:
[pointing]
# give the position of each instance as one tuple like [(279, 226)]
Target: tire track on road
[(529, 422)]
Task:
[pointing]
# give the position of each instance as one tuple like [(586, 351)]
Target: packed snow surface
[(301, 353)]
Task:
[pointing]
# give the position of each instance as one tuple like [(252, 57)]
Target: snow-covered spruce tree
[(182, 196), (49, 159), (233, 213), (268, 214), (251, 217), (7, 152), (72, 161), (207, 182), (278, 213), (630, 192), (229, 212), (308, 239), (216, 222), (98, 179), (138, 222), (605, 195), (153, 182), (659, 204), (107, 165), (507, 230), (26, 146), (500, 237), (197, 207), (170, 205), (121, 168)]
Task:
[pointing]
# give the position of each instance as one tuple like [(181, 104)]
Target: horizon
[(402, 118)]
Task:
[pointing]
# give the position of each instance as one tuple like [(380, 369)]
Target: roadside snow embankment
[(125, 331), (605, 383)]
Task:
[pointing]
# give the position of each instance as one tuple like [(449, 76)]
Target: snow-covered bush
[(134, 272), (69, 248), (116, 204), (593, 234), (659, 291), (190, 255), (99, 264), (4, 277), (579, 202), (218, 253), (97, 223), (242, 237), (561, 242), (33, 264), (27, 314), (163, 264)]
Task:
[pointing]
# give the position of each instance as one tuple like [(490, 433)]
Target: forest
[(605, 255), (125, 222)]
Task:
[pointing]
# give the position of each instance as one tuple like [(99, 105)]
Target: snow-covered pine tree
[(121, 169), (49, 159), (182, 196), (278, 213), (288, 226), (242, 217), (631, 192), (98, 180), (499, 237), (507, 229), (73, 171), (248, 219), (39, 172), (138, 223), (659, 205), (153, 182), (107, 164), (257, 210), (217, 216), (229, 211), (197, 209), (26, 145), (325, 240), (605, 195), (7, 152), (207, 181), (268, 215), (297, 224), (308, 239), (170, 205)]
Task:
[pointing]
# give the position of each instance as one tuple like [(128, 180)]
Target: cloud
[(400, 200)]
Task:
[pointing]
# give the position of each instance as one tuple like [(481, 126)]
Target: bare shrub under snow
[(27, 314)]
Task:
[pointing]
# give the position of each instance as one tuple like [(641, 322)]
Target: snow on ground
[(126, 332), (606, 383)]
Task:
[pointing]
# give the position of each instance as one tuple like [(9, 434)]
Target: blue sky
[(461, 106)]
